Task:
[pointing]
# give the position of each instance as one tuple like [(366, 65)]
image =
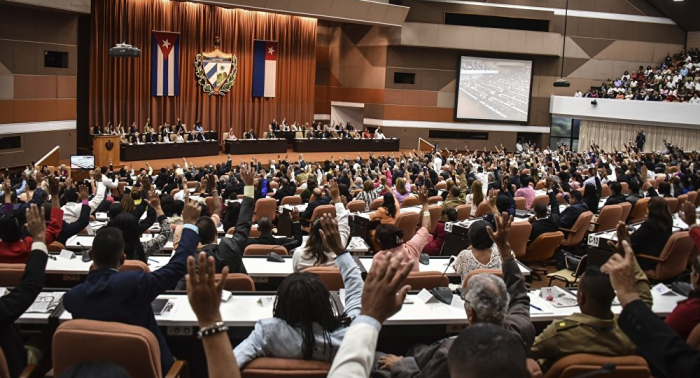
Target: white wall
[(345, 114), (665, 114)]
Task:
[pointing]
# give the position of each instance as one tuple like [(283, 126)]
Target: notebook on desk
[(160, 306)]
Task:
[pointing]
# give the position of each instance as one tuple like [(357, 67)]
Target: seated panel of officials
[(177, 133), (315, 131)]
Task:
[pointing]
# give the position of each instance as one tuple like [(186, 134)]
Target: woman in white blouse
[(483, 253), (476, 196)]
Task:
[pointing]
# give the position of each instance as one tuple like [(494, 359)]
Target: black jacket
[(13, 305), (549, 224), (229, 252), (571, 214), (667, 354), (615, 199), (650, 239), (288, 243)]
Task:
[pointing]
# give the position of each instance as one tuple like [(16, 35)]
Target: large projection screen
[(493, 89)]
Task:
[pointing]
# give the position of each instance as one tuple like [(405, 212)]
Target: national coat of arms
[(215, 70)]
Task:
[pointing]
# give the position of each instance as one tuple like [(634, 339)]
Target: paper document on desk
[(45, 302), (558, 297)]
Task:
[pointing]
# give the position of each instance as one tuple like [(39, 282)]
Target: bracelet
[(218, 327), (426, 213)]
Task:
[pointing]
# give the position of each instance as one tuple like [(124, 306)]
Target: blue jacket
[(107, 295), (570, 214)]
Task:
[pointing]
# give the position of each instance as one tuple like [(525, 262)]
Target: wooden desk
[(105, 148), (153, 151), (255, 146), (333, 145)]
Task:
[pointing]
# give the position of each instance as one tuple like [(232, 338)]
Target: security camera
[(594, 102)]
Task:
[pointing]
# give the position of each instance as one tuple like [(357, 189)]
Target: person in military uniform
[(595, 329)]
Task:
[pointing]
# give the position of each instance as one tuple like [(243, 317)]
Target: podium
[(105, 148)]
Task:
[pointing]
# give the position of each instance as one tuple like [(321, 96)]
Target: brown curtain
[(120, 88), (611, 136)]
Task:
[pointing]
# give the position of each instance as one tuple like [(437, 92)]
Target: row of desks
[(153, 151), (245, 309), (256, 146)]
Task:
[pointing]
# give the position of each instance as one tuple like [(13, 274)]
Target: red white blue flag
[(264, 68), (165, 64)]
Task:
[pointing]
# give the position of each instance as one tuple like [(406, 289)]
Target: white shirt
[(695, 100), (379, 136)]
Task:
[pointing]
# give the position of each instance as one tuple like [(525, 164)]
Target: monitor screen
[(493, 89), (82, 162)]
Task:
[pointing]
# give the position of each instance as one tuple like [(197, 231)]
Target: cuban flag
[(165, 64), (264, 68)]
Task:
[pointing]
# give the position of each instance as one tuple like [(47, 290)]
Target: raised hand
[(500, 237), (190, 214), (384, 290), (493, 194), (247, 175), (36, 224), (335, 192), (623, 234), (620, 267), (202, 291), (330, 235), (423, 196), (84, 195), (53, 186)]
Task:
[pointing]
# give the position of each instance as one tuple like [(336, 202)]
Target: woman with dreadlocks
[(306, 323)]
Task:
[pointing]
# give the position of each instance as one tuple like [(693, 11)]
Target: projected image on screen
[(494, 89)]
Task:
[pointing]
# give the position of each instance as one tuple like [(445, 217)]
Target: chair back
[(11, 274), (291, 200), (323, 209), (675, 255), (578, 231), (434, 199), (540, 185), (264, 249), (442, 185), (465, 281), (264, 207), (697, 198), (329, 275), (191, 184), (543, 247), (518, 237), (578, 364), (269, 367), (426, 280), (237, 282), (672, 204), (681, 200), (55, 247), (377, 203), (608, 217), (134, 265), (209, 201), (694, 338), (463, 212), (639, 210), (482, 209), (520, 203), (410, 201), (139, 353), (355, 206), (692, 197), (543, 199), (299, 191), (408, 222), (435, 214), (254, 232), (274, 185), (605, 192), (626, 209)]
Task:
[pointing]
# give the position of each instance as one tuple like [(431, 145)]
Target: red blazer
[(685, 316), (435, 245), (18, 252)]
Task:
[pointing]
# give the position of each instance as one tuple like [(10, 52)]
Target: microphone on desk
[(605, 369), (85, 256), (443, 294)]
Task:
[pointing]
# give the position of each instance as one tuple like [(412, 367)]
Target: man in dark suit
[(266, 237), (13, 305), (571, 213), (616, 197), (541, 223), (250, 135), (287, 189), (317, 199), (108, 295)]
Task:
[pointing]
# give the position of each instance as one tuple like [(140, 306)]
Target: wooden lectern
[(105, 148)]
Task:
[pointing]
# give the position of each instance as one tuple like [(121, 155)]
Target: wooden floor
[(263, 158)]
